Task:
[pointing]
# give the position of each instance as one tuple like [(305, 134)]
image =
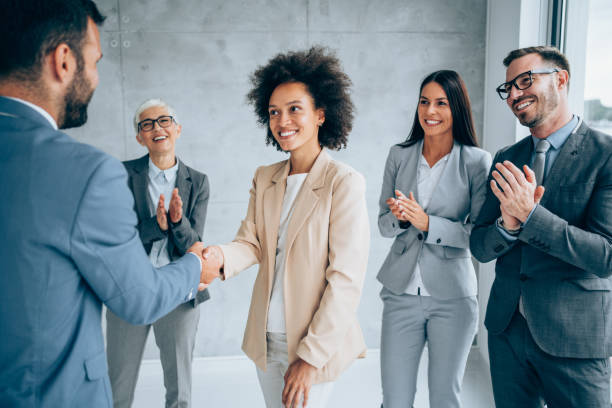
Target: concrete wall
[(198, 56)]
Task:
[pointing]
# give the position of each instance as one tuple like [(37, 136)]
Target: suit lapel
[(140, 185), (308, 197), (408, 172), (183, 183), (566, 162), (272, 206)]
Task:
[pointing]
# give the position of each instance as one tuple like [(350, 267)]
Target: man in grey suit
[(167, 229), (549, 314), (70, 241)]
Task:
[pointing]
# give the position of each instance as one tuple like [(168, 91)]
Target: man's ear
[(63, 63), (139, 139), (563, 76)]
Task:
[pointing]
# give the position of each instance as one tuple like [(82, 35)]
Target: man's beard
[(546, 104), (76, 100)]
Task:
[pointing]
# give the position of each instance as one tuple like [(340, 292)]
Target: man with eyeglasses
[(170, 200), (547, 220)]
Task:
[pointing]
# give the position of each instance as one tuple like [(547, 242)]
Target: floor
[(223, 382)]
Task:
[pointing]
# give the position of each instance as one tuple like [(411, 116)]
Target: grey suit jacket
[(562, 260), (194, 192), (442, 252)]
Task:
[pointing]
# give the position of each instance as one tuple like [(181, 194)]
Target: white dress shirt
[(276, 310), (428, 178), (160, 182)]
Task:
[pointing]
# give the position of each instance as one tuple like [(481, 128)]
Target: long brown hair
[(461, 110)]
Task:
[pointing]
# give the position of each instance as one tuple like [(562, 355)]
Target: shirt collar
[(558, 137), (38, 109), (423, 160), (155, 171)]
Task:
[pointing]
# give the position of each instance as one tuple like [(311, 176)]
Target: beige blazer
[(328, 238)]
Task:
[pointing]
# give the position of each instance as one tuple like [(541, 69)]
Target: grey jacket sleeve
[(388, 224), (486, 241), (589, 249)]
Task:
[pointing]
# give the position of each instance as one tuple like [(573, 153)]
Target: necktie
[(539, 164)]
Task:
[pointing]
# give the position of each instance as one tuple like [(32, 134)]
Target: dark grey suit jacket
[(194, 191), (562, 260)]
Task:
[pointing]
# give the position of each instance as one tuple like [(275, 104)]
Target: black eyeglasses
[(521, 82), (148, 125)]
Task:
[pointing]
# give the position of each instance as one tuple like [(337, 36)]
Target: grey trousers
[(175, 336), (272, 380), (524, 376), (448, 327)]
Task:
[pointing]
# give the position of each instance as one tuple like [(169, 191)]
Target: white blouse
[(428, 178), (276, 311)]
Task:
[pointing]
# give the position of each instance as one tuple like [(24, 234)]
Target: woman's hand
[(410, 210), (395, 207), (298, 380), (162, 219)]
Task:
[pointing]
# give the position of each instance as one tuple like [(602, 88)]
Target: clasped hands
[(175, 210), (516, 191), (407, 209), (212, 263)]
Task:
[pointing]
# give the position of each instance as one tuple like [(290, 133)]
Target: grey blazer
[(442, 252), (562, 260), (194, 191)]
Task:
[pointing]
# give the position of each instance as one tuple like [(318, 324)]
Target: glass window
[(598, 81)]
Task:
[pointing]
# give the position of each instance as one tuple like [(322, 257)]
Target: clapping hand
[(516, 191), (162, 220), (408, 209), (176, 207)]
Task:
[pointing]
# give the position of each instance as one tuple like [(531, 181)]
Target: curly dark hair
[(320, 71)]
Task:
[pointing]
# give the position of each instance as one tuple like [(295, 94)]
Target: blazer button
[(523, 277), (420, 237), (438, 241)]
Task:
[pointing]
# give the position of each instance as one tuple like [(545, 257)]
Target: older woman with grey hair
[(161, 184)]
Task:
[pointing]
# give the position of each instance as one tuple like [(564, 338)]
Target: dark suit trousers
[(524, 376)]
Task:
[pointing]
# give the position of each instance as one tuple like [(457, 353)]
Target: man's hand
[(176, 207), (213, 263), (516, 191), (298, 380), (162, 220), (197, 250)]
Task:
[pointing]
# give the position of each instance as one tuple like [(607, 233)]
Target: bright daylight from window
[(598, 84)]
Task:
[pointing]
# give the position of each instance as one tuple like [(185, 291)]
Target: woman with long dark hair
[(434, 185)]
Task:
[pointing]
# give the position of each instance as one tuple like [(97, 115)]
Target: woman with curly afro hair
[(307, 228)]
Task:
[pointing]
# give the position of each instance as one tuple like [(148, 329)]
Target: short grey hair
[(149, 103)]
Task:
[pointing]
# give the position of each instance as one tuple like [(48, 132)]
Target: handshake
[(212, 263)]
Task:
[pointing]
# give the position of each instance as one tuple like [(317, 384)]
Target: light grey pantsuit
[(447, 319), (175, 336), (448, 327)]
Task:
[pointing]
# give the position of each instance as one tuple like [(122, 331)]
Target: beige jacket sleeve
[(349, 241), (245, 249)]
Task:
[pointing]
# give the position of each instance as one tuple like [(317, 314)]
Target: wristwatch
[(513, 232)]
